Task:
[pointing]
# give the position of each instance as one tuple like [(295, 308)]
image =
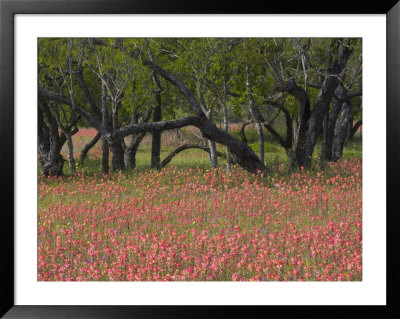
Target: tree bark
[(49, 142), (324, 142), (104, 155), (303, 116), (213, 153), (226, 128), (115, 143), (156, 135), (333, 116), (117, 159), (211, 144), (213, 150), (341, 131), (43, 138), (71, 159), (105, 149), (131, 150), (256, 115)]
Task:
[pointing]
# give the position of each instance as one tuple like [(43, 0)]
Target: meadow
[(188, 222)]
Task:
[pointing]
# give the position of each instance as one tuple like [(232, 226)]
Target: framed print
[(172, 159)]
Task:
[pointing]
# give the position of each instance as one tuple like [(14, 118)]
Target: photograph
[(174, 159), (199, 159)]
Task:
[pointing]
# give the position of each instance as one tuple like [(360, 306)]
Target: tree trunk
[(117, 155), (213, 153), (226, 128), (329, 85), (49, 142), (341, 131), (43, 138), (155, 149), (324, 142), (156, 135), (131, 150), (212, 146), (209, 113), (295, 130), (71, 159), (256, 115), (104, 155), (333, 116), (316, 120), (105, 148), (117, 159), (303, 116)]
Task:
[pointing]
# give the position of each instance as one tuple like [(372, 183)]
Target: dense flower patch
[(178, 224)]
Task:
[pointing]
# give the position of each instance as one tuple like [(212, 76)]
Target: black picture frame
[(8, 8)]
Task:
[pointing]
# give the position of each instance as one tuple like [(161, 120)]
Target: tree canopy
[(128, 87)]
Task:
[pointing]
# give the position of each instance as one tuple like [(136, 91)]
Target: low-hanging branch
[(158, 126), (186, 147)]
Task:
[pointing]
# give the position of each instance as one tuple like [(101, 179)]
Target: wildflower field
[(198, 224)]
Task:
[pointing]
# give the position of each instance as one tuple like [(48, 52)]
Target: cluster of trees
[(129, 87)]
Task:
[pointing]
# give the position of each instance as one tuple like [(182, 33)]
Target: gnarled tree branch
[(186, 147)]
